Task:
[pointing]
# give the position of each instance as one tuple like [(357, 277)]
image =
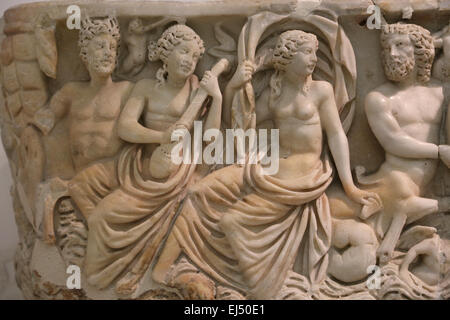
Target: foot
[(384, 254), (195, 286), (128, 284)]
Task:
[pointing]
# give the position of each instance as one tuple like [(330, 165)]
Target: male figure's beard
[(397, 68)]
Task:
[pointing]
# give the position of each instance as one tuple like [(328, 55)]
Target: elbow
[(124, 129), (338, 139)]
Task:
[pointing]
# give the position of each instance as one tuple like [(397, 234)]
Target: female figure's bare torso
[(296, 115)]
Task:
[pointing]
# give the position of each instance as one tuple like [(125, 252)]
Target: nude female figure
[(243, 215)]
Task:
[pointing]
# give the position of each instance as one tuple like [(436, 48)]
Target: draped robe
[(247, 230), (128, 225)]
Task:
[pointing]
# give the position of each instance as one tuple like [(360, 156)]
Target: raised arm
[(129, 128), (210, 84), (242, 75), (389, 133), (45, 119)]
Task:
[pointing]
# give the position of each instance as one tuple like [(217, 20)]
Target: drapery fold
[(246, 229)]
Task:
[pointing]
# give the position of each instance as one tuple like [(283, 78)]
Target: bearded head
[(99, 41), (405, 47)]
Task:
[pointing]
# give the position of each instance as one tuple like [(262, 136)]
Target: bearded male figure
[(92, 109), (405, 115)]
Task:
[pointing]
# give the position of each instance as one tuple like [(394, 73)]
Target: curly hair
[(423, 46), (288, 45), (90, 28), (170, 38)]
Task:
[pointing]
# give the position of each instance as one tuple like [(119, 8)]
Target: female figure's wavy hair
[(172, 37), (288, 45)]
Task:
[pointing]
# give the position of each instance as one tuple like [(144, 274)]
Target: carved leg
[(169, 255), (389, 242), (183, 276), (353, 249), (91, 185), (411, 210), (129, 283), (421, 207)]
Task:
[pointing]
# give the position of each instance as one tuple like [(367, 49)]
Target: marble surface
[(8, 229)]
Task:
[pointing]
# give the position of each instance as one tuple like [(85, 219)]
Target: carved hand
[(243, 73), (210, 84), (167, 135), (371, 201), (44, 119), (444, 154)]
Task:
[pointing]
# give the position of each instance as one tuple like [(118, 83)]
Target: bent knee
[(98, 214), (352, 233), (227, 222), (341, 206), (352, 265)]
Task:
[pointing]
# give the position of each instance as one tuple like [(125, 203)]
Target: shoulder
[(71, 89), (144, 87), (323, 86), (323, 89), (376, 101)]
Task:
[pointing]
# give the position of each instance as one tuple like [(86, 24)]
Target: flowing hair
[(288, 45), (173, 36)]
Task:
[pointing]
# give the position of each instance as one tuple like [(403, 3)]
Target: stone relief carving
[(136, 42), (96, 184)]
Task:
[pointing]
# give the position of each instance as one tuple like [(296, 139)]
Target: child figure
[(136, 42)]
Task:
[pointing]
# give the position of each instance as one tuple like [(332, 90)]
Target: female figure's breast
[(300, 135)]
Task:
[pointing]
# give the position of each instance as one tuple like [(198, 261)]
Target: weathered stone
[(6, 54), (24, 47), (30, 76), (100, 184), (10, 81), (33, 100), (14, 103)]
